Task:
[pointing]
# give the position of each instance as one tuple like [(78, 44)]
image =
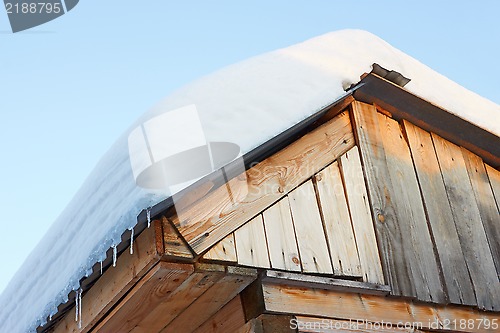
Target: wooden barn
[(380, 213)]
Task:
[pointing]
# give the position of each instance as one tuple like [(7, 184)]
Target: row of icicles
[(78, 296)]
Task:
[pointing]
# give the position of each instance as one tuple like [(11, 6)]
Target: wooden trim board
[(302, 301)]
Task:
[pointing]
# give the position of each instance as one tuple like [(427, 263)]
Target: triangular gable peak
[(359, 202)]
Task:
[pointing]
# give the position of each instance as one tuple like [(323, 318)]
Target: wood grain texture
[(337, 221), (174, 245), (468, 223), (494, 177), (280, 235), (228, 319), (252, 326), (151, 290), (350, 306), (404, 239), (251, 246), (369, 139), (327, 283), (114, 284), (207, 222), (311, 238), (225, 250), (210, 302), (418, 246), (362, 222), (454, 267), (204, 277), (485, 199), (322, 325)]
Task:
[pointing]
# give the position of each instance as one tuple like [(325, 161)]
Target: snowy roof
[(246, 104)]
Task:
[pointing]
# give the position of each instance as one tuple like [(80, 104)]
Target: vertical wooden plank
[(280, 233), (468, 223), (311, 238), (225, 250), (494, 177), (229, 319), (337, 221), (416, 236), (251, 247), (401, 226), (485, 199), (359, 206), (371, 146), (455, 273)]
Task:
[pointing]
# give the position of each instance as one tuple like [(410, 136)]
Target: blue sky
[(70, 87)]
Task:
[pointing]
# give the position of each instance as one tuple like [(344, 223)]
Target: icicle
[(148, 214), (114, 255), (77, 305), (132, 241), (80, 309), (50, 317), (101, 267)]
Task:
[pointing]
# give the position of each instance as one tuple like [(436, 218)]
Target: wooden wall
[(436, 212), (323, 226), (403, 203)]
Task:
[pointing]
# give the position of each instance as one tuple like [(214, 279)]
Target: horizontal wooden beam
[(349, 306), (230, 206), (326, 283), (323, 325)]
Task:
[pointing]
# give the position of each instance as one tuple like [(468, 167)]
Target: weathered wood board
[(468, 222), (350, 306), (362, 222), (485, 199), (327, 283), (404, 239), (210, 302), (229, 319), (207, 222), (454, 267), (337, 221), (174, 245), (323, 325), (204, 277), (251, 246), (311, 239), (153, 289), (494, 177), (280, 235), (225, 250)]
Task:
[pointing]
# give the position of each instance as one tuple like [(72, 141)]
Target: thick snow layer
[(247, 104)]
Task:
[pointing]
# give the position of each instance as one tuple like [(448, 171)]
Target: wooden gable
[(363, 218)]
